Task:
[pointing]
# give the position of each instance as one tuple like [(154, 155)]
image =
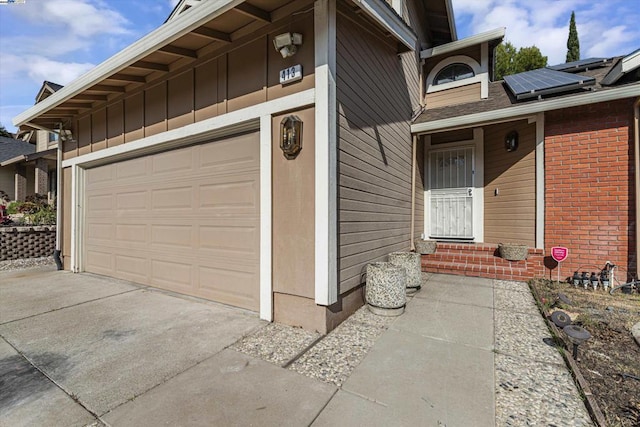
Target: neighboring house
[(10, 174), (174, 174), (260, 153), (35, 172), (544, 158)]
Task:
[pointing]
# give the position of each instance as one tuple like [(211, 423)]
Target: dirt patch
[(610, 360)]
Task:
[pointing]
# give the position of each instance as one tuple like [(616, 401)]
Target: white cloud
[(82, 18), (604, 28)]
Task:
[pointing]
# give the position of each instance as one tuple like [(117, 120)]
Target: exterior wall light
[(291, 136), (511, 141), (287, 43)]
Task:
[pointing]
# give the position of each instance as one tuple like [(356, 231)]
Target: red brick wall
[(589, 190)]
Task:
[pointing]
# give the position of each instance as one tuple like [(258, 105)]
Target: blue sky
[(58, 40)]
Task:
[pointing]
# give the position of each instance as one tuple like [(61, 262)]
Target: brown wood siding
[(237, 76), (374, 141), (454, 96), (510, 216)]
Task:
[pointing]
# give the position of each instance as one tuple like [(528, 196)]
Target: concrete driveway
[(78, 349)]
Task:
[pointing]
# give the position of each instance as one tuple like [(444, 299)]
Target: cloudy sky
[(58, 40)]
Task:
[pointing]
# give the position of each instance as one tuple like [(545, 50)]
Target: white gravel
[(19, 264)]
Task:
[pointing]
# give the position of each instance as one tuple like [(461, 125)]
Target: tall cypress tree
[(573, 44)]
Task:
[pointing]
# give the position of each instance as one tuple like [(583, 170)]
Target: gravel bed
[(19, 264), (276, 343), (533, 384), (334, 358)]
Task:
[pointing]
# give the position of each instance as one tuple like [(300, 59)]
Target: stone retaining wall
[(27, 242)]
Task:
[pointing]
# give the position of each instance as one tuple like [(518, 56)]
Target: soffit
[(217, 33)]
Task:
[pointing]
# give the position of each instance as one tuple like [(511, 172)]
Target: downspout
[(413, 189), (636, 125), (57, 251)]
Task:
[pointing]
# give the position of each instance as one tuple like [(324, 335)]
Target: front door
[(451, 183)]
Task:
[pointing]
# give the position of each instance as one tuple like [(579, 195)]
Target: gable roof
[(181, 6), (47, 89), (210, 26), (10, 148), (503, 104)]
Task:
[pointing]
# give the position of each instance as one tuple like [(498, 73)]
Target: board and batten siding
[(242, 74), (453, 96), (374, 149), (510, 215)]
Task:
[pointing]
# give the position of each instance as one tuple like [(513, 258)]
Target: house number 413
[(291, 74)]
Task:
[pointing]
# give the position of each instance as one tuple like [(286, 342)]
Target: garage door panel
[(172, 273), (131, 201), (130, 267), (229, 240), (134, 233), (127, 171), (176, 198), (172, 236), (173, 162), (102, 262), (185, 220), (230, 197), (238, 155)]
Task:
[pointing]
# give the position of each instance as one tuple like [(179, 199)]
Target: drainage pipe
[(56, 252), (636, 149)]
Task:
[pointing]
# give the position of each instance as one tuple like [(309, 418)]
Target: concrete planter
[(425, 247), (385, 292), (513, 251), (411, 262)]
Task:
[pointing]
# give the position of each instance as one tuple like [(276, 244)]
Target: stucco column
[(20, 183), (42, 176)]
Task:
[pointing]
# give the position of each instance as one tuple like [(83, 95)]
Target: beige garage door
[(186, 220)]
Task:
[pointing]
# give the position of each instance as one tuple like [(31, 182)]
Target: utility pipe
[(56, 253), (413, 189), (636, 119)]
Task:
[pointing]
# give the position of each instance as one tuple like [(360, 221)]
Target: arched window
[(453, 73)]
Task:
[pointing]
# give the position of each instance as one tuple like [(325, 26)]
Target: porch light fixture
[(287, 43), (291, 136), (511, 141)]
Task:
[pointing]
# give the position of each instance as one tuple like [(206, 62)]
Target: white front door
[(451, 182)]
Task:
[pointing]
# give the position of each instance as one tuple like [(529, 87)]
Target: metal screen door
[(451, 184)]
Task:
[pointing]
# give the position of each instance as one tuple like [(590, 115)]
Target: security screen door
[(451, 183)]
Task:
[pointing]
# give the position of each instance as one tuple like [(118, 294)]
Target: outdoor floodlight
[(287, 43)]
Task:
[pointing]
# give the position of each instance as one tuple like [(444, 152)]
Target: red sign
[(559, 253)]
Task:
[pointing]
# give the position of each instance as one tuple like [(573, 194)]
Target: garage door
[(185, 220)]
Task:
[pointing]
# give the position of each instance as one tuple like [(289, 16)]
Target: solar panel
[(544, 81), (580, 65)]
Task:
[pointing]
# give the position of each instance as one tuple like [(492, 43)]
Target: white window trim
[(481, 72), (254, 117), (478, 181)]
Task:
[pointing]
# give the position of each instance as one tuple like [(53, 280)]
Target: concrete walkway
[(82, 349)]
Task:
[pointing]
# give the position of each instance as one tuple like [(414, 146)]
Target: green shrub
[(13, 207)]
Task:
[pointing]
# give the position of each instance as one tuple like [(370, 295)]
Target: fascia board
[(631, 62), (522, 110), (158, 38), (383, 15), (452, 21), (488, 36)]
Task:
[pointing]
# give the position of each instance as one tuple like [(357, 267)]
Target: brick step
[(487, 271), (472, 259)]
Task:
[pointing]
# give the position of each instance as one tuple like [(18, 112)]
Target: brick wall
[(27, 242), (589, 191)]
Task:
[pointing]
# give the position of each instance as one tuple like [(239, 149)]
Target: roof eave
[(381, 13), (158, 38), (497, 34), (526, 109)]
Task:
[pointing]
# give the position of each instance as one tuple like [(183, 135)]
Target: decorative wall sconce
[(287, 43), (291, 136), (511, 141)]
